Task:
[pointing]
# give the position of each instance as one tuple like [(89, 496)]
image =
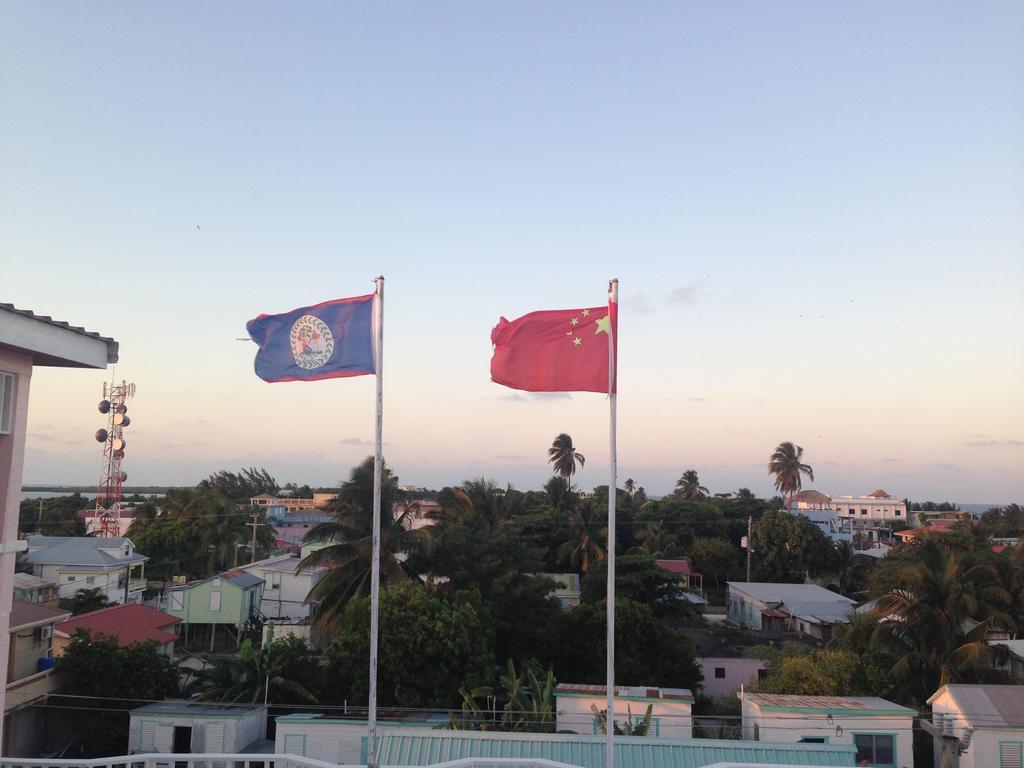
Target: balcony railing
[(30, 688), (253, 760)]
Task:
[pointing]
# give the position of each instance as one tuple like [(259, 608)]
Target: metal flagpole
[(609, 722), (378, 354)]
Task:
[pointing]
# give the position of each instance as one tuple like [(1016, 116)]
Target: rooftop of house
[(25, 615), (987, 706), (1016, 647), (196, 709), (422, 746), (236, 576), (811, 497), (625, 692), (129, 623), (79, 550), (28, 581), (678, 567), (52, 342), (804, 594), (864, 705), (280, 563)]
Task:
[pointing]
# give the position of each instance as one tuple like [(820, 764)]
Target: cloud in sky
[(984, 441), (511, 457), (699, 400), (685, 296)]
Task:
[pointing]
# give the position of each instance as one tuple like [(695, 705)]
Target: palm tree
[(935, 623), (688, 486), (657, 541), (86, 600), (785, 464), (582, 547), (348, 543), (850, 570), (251, 677), (564, 456)]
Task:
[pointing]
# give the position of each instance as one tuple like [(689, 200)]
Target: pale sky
[(815, 210)]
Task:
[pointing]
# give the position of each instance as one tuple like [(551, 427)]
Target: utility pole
[(750, 542), (254, 525)]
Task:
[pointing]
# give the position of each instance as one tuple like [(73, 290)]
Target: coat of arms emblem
[(312, 342)]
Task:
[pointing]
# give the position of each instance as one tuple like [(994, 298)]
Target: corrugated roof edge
[(112, 345)]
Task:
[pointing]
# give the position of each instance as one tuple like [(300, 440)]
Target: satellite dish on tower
[(104, 406), (101, 435)]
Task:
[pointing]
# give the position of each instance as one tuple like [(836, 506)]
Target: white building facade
[(576, 706), (75, 563), (983, 724), (880, 730), (286, 586)]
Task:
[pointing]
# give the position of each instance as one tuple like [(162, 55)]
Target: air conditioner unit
[(45, 633), (6, 402)]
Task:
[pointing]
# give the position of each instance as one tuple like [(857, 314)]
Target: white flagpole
[(378, 354), (609, 742)]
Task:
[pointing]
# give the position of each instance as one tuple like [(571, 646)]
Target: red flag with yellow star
[(561, 350)]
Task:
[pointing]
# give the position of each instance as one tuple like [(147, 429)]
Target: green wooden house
[(230, 599)]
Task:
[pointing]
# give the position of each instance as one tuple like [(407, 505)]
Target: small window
[(215, 601), (6, 402), (762, 674), (1011, 754), (874, 749), (719, 673), (71, 579), (90, 579), (863, 511), (812, 739), (898, 513)]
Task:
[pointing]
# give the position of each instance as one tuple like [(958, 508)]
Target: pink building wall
[(737, 672)]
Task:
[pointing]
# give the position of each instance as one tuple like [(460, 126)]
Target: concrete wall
[(743, 609), (670, 719), (793, 726), (737, 672), (984, 748), (25, 652), (284, 593)]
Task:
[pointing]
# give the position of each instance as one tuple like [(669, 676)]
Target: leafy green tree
[(786, 464), (431, 644), (789, 547), (479, 544), (58, 516), (717, 558), (86, 600), (112, 680), (529, 704), (824, 673), (689, 488), (281, 672), (564, 456), (638, 577), (647, 652), (656, 540), (850, 570), (349, 555), (242, 486), (560, 494)]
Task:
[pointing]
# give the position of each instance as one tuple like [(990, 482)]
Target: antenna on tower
[(108, 493)]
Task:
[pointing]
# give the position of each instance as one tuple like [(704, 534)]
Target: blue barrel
[(45, 663)]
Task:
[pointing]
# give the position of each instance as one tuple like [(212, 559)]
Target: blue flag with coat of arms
[(325, 341)]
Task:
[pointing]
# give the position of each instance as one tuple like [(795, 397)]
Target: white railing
[(251, 760)]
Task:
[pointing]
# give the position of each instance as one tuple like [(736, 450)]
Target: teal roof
[(429, 747)]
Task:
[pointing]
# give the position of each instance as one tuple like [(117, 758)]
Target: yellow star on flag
[(603, 324), (586, 313), (577, 341), (574, 321)]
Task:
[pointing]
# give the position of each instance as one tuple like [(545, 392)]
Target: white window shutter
[(1010, 754), (215, 737), (148, 741)]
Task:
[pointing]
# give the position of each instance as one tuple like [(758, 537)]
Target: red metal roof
[(130, 624), (678, 567)]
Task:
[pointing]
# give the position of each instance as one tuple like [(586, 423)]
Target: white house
[(804, 608), (85, 562), (286, 586), (671, 708), (854, 512), (185, 727), (984, 724), (881, 731)]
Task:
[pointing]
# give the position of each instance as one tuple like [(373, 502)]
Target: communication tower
[(108, 493)]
